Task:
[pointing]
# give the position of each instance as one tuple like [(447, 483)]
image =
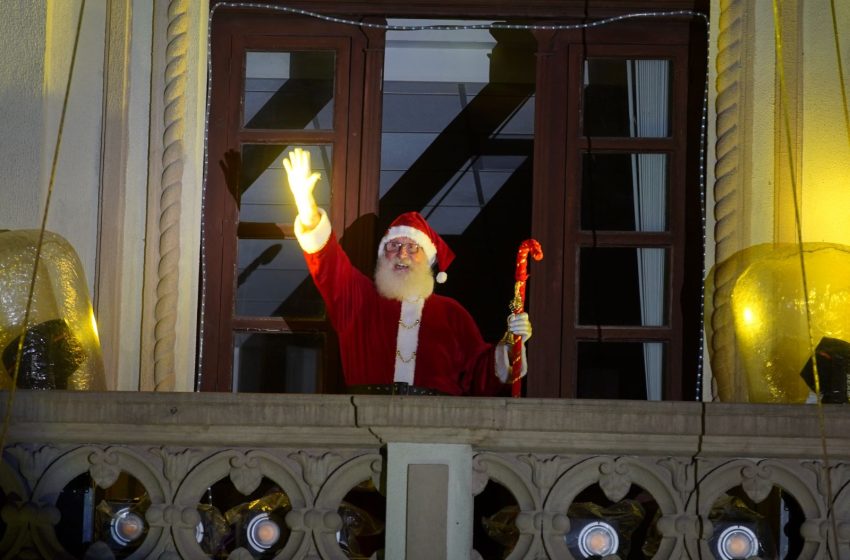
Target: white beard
[(416, 282)]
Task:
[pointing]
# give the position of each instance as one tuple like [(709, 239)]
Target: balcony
[(537, 465)]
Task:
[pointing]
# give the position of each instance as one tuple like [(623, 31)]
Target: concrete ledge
[(490, 424)]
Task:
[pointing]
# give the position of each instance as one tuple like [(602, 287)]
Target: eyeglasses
[(392, 247)]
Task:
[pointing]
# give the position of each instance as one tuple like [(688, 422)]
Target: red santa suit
[(431, 342)]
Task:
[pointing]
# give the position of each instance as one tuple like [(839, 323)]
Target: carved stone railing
[(316, 448)]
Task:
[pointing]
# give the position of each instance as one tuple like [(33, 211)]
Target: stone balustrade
[(549, 454)]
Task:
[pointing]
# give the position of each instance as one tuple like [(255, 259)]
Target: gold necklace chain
[(408, 360), (406, 326)]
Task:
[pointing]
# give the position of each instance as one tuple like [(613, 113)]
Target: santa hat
[(414, 226)]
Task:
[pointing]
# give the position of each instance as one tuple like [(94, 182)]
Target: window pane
[(289, 90), (271, 276), (628, 98), (277, 363), (622, 286), (620, 370), (457, 145), (265, 195), (272, 281), (624, 192)]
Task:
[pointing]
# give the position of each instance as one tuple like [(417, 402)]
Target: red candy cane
[(517, 305)]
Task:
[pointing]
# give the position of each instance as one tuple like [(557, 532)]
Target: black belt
[(397, 388)]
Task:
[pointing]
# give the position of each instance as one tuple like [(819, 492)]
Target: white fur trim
[(415, 234), (407, 340), (503, 364), (314, 240), (442, 277)]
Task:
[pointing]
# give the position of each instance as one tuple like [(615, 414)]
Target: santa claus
[(395, 334)]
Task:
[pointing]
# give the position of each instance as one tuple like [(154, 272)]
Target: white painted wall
[(824, 179), (826, 140), (74, 204), (135, 195), (36, 42), (760, 198), (36, 39), (22, 29)]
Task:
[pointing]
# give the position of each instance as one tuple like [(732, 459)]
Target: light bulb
[(737, 543), (126, 526), (598, 539), (262, 532)]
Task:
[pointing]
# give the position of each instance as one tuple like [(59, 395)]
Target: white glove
[(519, 325), (302, 181)]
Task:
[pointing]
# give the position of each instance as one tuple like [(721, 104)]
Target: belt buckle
[(401, 388)]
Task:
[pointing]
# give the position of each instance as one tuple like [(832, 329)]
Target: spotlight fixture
[(262, 532), (737, 542), (258, 526), (126, 527), (598, 539), (121, 524), (602, 531), (739, 532)]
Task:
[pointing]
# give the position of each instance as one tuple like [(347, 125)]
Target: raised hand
[(302, 180)]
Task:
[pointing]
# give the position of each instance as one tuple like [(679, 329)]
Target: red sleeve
[(344, 288)]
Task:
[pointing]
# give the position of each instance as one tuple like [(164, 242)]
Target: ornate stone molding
[(176, 167), (545, 452), (171, 185), (731, 171)]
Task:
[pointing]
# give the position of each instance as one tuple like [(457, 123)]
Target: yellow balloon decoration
[(61, 349), (758, 332)]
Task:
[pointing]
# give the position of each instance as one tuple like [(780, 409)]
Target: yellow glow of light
[(750, 320), (737, 546), (775, 324), (130, 526), (825, 215), (93, 321), (267, 533), (599, 542)]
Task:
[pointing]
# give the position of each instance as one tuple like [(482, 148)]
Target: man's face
[(403, 253), (403, 270)]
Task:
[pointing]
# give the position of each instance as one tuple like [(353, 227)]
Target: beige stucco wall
[(825, 178), (751, 182), (822, 158), (21, 112), (37, 40), (74, 204)]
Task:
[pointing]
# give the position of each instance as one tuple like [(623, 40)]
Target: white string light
[(458, 27)]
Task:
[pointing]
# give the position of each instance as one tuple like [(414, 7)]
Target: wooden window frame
[(240, 31), (558, 178), (556, 175)]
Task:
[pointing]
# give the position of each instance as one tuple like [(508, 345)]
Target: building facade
[(141, 154)]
